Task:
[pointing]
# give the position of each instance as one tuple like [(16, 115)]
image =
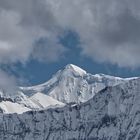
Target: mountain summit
[(75, 69)]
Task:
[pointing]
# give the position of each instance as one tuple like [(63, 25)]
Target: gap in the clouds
[(71, 41), (35, 72)]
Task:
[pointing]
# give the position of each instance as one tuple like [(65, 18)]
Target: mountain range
[(73, 105)]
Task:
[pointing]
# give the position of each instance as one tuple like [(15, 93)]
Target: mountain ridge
[(112, 114)]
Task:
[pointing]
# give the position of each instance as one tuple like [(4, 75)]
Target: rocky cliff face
[(112, 114)]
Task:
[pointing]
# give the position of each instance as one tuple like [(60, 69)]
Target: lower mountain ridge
[(73, 105)]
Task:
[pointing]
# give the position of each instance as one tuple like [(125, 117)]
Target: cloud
[(22, 24), (8, 83), (109, 30), (14, 40), (46, 51)]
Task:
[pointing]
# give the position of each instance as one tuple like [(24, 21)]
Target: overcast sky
[(41, 36)]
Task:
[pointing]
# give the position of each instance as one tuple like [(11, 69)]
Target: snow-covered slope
[(21, 103), (112, 114), (10, 107), (44, 101)]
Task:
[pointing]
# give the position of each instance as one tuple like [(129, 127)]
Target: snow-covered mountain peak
[(75, 69), (73, 85), (69, 85)]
